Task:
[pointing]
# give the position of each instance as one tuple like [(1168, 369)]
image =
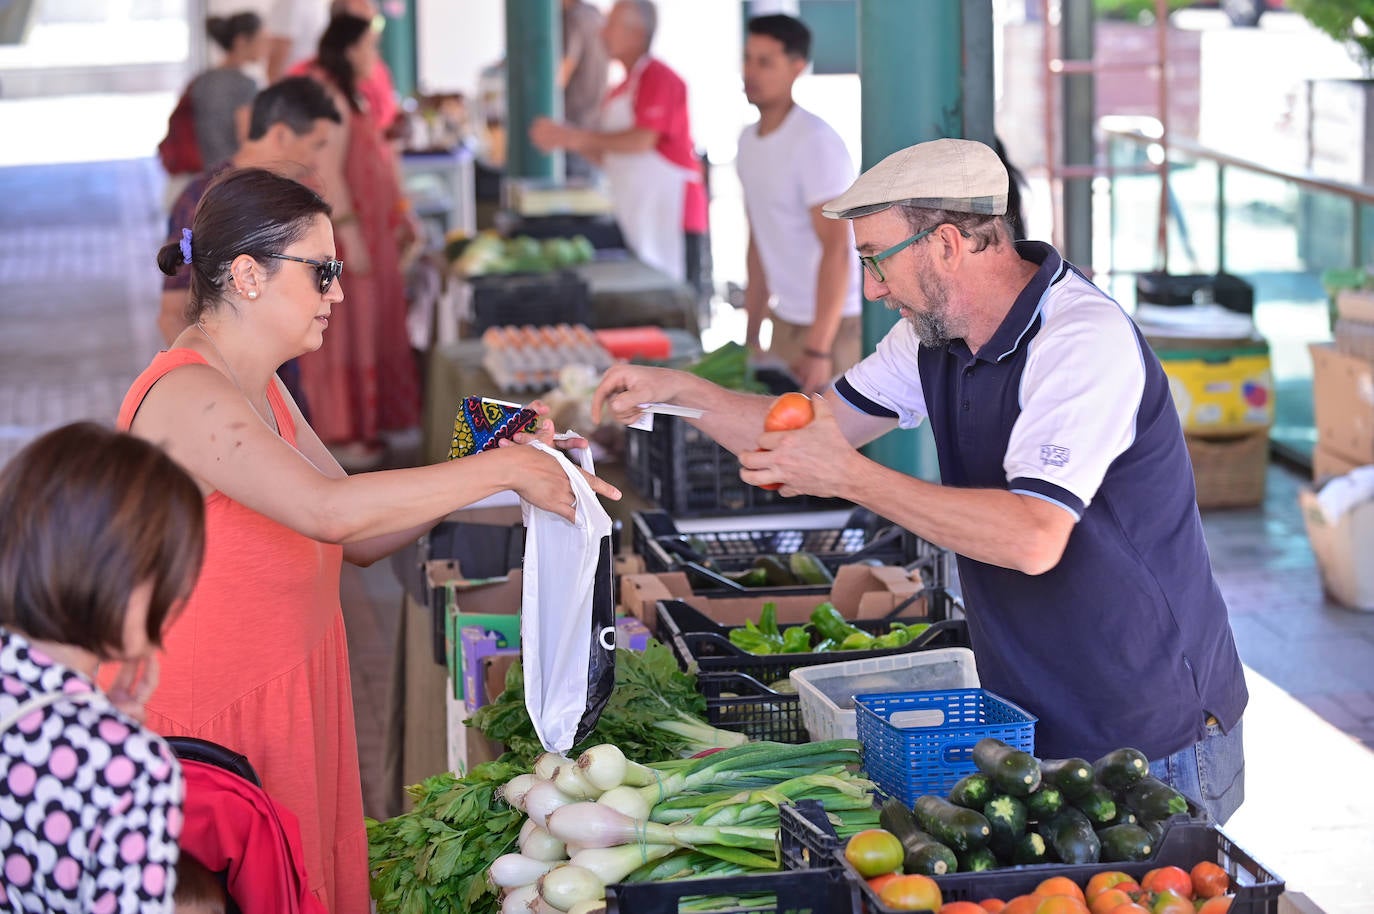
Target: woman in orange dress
[(367, 381), (258, 660)]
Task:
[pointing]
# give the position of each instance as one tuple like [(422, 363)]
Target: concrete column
[(398, 43), (910, 77), (1076, 38), (534, 43)]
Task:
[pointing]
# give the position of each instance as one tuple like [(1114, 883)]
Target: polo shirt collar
[(1016, 326)]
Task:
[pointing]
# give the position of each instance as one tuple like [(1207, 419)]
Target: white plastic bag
[(567, 616)]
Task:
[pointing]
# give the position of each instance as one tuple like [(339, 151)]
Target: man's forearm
[(733, 419), (988, 525), (832, 286), (636, 139)]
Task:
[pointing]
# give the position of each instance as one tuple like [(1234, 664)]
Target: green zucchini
[(1153, 828), (1151, 798), (1010, 770), (1124, 816), (749, 577), (1072, 837), (1031, 849), (809, 570), (776, 571), (1097, 804), (972, 791), (978, 860), (1125, 843), (1006, 817), (1073, 776), (959, 829), (1044, 804), (1120, 769), (923, 854)]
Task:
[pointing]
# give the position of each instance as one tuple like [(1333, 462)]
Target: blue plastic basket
[(929, 747)]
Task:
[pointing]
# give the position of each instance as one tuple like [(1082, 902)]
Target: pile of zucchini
[(1018, 810), (796, 569)]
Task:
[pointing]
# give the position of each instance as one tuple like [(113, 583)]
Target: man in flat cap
[(1067, 490)]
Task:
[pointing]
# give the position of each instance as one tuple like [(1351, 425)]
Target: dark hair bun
[(169, 258)]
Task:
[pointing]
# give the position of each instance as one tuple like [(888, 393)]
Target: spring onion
[(515, 789), (547, 765), (518, 901), (596, 906), (626, 799), (542, 799), (566, 885), (510, 871), (538, 844), (571, 781), (613, 864), (594, 825)]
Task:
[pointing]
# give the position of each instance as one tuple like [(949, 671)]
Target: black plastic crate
[(864, 537), (703, 645), (741, 703), (1185, 843), (687, 474), (557, 297), (815, 891), (806, 839), (480, 550)]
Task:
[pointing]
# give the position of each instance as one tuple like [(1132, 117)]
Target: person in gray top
[(222, 96), (582, 73)]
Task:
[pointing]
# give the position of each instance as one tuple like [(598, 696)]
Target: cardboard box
[(490, 604), (1343, 399), (1327, 464), (1342, 546), (478, 645), (1355, 305), (631, 634), (859, 592), (467, 748), (1355, 338)]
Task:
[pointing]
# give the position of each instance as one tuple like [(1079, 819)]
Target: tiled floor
[(78, 298)]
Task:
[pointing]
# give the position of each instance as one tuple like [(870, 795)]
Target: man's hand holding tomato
[(816, 459)]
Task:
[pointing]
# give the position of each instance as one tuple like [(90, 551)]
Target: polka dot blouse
[(90, 800)]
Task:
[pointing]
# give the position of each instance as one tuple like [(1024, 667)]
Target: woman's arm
[(208, 427)]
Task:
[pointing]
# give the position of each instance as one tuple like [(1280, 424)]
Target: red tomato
[(1209, 880), (873, 852), (1169, 879), (1170, 902), (912, 893), (1217, 905), (789, 412), (961, 907), (878, 882), (1100, 882), (992, 905)]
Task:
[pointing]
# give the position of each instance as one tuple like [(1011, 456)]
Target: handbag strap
[(39, 702)]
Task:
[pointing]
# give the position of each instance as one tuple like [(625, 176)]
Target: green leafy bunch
[(649, 690), (435, 858), (1350, 22)]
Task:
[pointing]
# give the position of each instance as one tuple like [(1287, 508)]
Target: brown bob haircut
[(86, 516)]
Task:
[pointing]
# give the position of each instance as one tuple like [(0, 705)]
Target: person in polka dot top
[(102, 541)]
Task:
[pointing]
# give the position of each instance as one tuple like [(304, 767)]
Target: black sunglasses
[(327, 270)]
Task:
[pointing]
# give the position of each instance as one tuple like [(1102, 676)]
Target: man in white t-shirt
[(294, 28), (790, 162)]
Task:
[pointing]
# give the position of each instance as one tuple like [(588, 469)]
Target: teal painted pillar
[(534, 46), (910, 69), (398, 44)]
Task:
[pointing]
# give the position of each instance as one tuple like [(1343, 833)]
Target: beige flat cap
[(963, 176)]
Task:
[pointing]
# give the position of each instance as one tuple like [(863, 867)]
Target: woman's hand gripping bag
[(567, 615)]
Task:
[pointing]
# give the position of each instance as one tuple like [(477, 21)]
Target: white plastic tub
[(827, 691)]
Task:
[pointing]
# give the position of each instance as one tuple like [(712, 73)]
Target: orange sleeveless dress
[(257, 661)]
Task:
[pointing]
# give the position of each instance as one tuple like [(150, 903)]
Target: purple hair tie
[(185, 245)]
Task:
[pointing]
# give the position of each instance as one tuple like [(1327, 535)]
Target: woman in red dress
[(367, 381)]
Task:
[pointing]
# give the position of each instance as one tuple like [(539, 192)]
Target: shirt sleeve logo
[(1052, 455)]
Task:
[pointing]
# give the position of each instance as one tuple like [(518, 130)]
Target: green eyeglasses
[(871, 261), (327, 270)]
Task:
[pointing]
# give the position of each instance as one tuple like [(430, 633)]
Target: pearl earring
[(252, 293)]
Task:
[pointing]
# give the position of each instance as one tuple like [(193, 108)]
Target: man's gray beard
[(932, 325)]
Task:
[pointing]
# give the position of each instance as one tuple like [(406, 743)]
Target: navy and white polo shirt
[(1126, 642)]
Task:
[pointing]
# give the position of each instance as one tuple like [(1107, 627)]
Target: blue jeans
[(1210, 772)]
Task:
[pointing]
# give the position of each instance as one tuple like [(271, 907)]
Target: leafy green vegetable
[(650, 690), (728, 366), (435, 857)]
